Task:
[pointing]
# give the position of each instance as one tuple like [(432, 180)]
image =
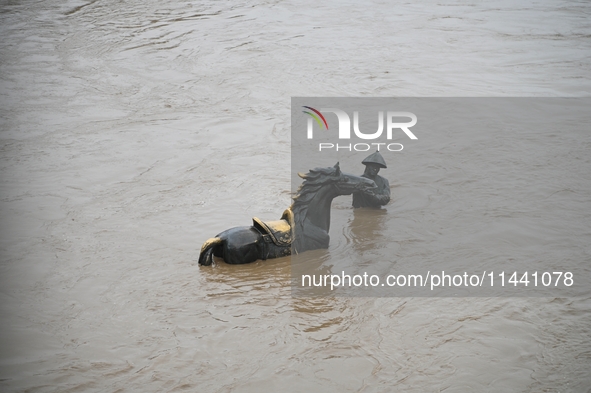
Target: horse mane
[(313, 181)]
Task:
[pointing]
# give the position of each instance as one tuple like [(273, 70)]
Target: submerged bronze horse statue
[(303, 226)]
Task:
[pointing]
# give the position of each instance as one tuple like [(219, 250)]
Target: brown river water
[(132, 131)]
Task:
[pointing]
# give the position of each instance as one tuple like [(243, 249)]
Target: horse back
[(241, 245)]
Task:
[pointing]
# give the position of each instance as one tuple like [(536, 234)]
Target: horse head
[(311, 206), (346, 184)]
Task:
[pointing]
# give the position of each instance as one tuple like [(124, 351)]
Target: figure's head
[(371, 170), (373, 163)]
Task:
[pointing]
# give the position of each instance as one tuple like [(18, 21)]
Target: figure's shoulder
[(384, 180)]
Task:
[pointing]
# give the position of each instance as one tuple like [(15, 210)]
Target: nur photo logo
[(392, 120)]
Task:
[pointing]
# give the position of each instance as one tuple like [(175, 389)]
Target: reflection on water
[(130, 132), (366, 230)]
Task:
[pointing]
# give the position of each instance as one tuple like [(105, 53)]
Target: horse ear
[(338, 168)]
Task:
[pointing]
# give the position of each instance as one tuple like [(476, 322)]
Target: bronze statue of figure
[(381, 195), (303, 226)]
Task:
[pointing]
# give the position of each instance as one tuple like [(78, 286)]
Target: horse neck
[(318, 212)]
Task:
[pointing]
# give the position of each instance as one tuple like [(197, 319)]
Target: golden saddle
[(278, 232)]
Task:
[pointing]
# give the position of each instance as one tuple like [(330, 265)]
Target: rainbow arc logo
[(313, 115)]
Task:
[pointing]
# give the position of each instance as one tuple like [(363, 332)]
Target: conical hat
[(375, 158)]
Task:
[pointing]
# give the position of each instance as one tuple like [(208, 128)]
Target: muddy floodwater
[(130, 132)]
